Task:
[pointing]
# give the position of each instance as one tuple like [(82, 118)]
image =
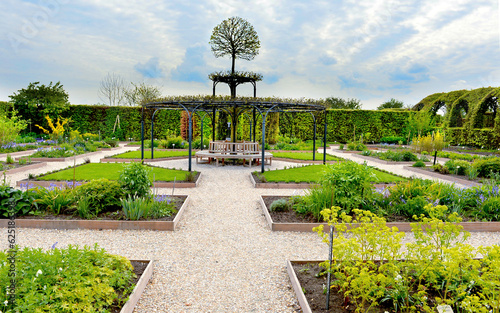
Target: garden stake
[(329, 278)]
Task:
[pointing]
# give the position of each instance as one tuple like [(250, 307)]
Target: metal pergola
[(235, 108)]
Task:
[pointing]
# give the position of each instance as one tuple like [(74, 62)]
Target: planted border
[(101, 224), (442, 176), (299, 293), (139, 288), (402, 226), (376, 160), (25, 168)]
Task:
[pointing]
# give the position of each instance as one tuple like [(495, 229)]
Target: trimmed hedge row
[(486, 137)]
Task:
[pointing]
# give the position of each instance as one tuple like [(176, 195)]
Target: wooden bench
[(221, 150), (223, 156)]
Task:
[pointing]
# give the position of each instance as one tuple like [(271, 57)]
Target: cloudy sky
[(372, 50)]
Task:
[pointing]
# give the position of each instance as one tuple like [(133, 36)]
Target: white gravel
[(223, 258)]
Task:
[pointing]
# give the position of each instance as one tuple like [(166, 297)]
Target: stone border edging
[(25, 168), (101, 224), (304, 304), (139, 288), (441, 176), (402, 226), (304, 161), (61, 184)]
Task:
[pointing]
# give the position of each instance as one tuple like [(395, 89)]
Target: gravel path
[(223, 258)]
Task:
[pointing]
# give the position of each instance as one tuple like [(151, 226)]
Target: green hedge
[(485, 137), (343, 125)]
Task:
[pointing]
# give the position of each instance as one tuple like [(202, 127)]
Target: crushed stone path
[(223, 257)]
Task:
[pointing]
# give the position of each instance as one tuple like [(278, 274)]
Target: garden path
[(223, 258)]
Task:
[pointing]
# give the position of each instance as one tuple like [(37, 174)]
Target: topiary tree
[(236, 38)]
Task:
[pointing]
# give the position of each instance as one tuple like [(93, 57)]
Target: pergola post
[(324, 140), (213, 124), (152, 137), (254, 124), (263, 142), (190, 137), (142, 134)]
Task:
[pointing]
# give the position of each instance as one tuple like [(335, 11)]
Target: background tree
[(391, 104), (112, 89), (141, 94), (38, 100), (339, 103), (236, 38)]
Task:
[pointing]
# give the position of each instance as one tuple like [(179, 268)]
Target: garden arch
[(242, 106), (458, 112)]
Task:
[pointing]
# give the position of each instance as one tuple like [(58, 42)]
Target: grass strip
[(111, 171), (312, 174)]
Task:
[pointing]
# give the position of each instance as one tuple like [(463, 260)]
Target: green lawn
[(305, 156), (313, 173), (111, 171), (147, 154)]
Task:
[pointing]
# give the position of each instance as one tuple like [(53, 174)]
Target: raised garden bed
[(290, 221), (377, 160), (306, 176), (17, 168), (70, 222), (144, 270), (164, 178), (309, 289), (17, 153), (62, 159), (448, 177)]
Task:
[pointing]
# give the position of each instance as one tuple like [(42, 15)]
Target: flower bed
[(371, 270), (73, 279), (291, 221), (104, 222)]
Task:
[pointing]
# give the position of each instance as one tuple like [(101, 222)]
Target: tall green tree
[(140, 94), (236, 38), (38, 100), (391, 104), (339, 103)]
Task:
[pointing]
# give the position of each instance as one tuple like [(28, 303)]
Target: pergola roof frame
[(263, 107)]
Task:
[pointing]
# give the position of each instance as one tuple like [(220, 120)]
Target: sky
[(371, 50)]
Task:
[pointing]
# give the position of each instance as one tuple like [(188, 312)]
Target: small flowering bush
[(71, 279), (135, 208), (371, 269)]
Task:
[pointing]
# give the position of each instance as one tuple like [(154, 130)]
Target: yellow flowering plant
[(57, 131)]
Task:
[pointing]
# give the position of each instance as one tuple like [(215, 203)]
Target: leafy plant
[(419, 163), (102, 195), (71, 279), (54, 199), (134, 179), (22, 202), (280, 205), (135, 207), (56, 132), (9, 159), (162, 205)]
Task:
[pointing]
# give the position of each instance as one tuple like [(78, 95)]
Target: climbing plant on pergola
[(203, 106)]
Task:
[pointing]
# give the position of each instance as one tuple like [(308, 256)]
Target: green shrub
[(72, 279), (441, 169), (54, 199), (356, 146), (197, 143), (23, 202), (486, 166), (175, 143), (489, 210), (102, 195), (419, 163), (134, 179), (111, 142), (392, 139), (457, 167), (280, 205), (409, 157)]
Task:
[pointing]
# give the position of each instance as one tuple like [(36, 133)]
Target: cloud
[(193, 67), (414, 74), (351, 82), (150, 69)]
